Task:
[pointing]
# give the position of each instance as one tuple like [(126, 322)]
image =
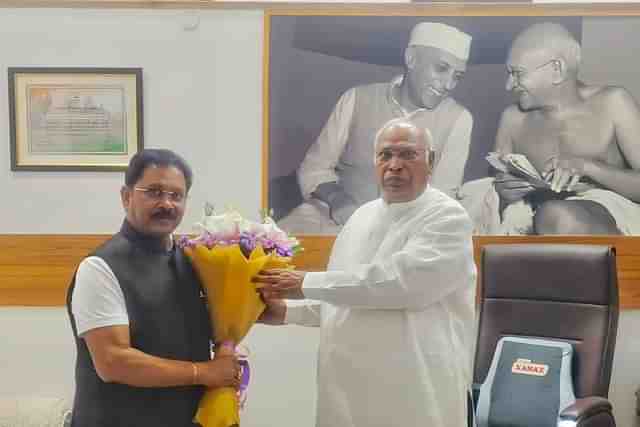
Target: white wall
[(202, 98)]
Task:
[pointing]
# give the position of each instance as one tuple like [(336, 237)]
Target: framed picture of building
[(322, 67), (74, 119)]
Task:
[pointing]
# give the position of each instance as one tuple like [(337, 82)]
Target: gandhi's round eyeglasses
[(518, 74), (158, 194)]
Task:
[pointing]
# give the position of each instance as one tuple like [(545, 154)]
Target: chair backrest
[(552, 291)]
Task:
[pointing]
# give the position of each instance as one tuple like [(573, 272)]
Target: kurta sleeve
[(436, 261), (449, 171), (319, 163), (306, 314)]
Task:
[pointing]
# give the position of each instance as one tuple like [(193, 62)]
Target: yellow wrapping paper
[(234, 306)]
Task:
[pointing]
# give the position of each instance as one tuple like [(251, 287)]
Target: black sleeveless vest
[(167, 318)]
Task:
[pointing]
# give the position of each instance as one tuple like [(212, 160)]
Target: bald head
[(403, 130), (548, 39)]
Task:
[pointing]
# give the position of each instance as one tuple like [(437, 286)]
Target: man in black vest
[(140, 324)]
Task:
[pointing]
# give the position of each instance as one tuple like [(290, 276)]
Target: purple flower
[(267, 244), (183, 242), (283, 251), (247, 243)]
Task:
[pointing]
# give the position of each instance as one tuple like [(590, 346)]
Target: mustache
[(164, 214)]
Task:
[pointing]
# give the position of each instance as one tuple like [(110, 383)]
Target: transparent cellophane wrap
[(234, 306)]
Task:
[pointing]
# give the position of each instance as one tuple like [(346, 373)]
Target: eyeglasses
[(519, 74), (158, 194), (386, 154)]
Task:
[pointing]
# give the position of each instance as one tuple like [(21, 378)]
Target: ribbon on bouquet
[(242, 353)]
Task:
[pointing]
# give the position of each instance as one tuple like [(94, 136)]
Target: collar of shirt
[(393, 211)]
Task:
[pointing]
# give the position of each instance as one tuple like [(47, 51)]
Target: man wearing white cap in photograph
[(336, 175)]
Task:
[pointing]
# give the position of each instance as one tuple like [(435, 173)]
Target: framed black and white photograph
[(536, 131)]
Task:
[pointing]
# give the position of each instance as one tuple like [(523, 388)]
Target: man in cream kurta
[(336, 175), (397, 300)]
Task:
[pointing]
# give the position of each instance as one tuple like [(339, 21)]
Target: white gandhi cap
[(442, 36)]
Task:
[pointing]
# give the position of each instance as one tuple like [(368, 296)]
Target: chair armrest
[(585, 407)]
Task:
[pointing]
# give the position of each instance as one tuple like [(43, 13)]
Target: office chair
[(546, 335)]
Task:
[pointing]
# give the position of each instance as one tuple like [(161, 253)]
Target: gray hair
[(418, 135)]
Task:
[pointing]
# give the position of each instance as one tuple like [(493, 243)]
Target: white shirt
[(319, 164), (397, 319), (97, 299)]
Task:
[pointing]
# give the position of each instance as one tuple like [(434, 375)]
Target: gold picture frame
[(74, 119)]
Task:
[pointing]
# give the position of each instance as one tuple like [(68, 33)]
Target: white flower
[(228, 224), (231, 228)]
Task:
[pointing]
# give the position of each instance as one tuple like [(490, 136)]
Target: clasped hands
[(275, 285)]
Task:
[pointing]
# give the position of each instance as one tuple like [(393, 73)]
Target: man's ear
[(410, 57), (559, 67), (431, 161), (431, 157), (125, 197)]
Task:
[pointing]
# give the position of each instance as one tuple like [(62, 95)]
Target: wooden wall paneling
[(36, 269)]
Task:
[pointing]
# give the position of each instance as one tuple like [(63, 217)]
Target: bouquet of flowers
[(227, 253)]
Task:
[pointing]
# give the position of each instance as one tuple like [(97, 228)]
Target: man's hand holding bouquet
[(227, 254)]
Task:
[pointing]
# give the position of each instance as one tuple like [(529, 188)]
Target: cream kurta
[(398, 316)]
